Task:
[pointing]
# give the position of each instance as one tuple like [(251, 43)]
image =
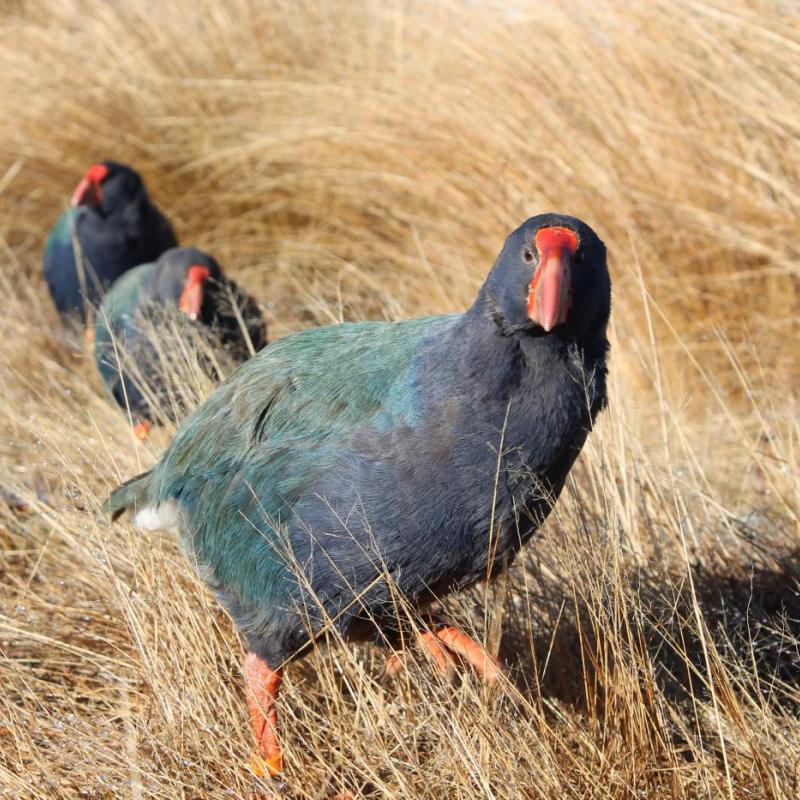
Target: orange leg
[(262, 686), (456, 641)]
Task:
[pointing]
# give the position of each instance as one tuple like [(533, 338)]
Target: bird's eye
[(527, 255)]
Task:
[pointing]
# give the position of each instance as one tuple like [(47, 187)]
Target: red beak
[(191, 299), (88, 191), (550, 294)]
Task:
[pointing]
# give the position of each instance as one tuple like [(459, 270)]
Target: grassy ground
[(349, 161)]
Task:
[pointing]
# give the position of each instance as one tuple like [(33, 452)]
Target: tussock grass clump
[(348, 161)]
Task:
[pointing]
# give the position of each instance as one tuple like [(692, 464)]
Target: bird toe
[(395, 664)]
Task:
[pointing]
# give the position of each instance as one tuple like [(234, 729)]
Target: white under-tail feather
[(161, 517)]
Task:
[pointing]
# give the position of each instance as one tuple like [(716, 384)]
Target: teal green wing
[(115, 320), (240, 463), (60, 234)]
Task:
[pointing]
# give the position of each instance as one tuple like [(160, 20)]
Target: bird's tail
[(132, 494)]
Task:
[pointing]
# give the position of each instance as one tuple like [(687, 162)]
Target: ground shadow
[(750, 611)]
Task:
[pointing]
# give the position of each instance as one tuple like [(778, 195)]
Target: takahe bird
[(183, 282), (110, 227), (424, 451)]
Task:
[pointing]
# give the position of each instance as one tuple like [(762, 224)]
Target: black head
[(551, 275), (107, 186), (183, 277)]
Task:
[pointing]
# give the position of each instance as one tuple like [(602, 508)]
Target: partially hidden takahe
[(142, 321)]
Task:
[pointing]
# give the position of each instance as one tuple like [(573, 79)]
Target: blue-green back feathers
[(294, 391)]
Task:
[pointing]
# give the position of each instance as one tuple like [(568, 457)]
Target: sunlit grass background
[(352, 160)]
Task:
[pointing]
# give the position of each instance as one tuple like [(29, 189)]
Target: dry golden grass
[(353, 160)]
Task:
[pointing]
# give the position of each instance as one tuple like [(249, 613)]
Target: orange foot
[(445, 643), (262, 686), (141, 429)]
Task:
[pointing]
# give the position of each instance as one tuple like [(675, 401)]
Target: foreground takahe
[(343, 456), (111, 226), (140, 318)]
